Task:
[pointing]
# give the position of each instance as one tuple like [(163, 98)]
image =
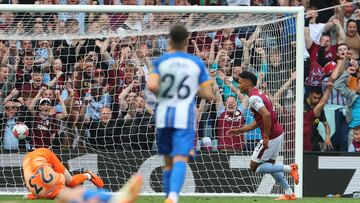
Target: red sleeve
[(314, 46), (333, 51)]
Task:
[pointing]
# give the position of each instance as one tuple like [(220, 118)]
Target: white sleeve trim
[(256, 102)]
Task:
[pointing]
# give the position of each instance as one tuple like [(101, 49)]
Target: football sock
[(270, 168), (287, 168), (174, 196), (166, 181), (77, 180), (100, 194), (279, 178), (177, 179)]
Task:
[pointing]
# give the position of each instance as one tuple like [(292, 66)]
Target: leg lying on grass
[(127, 194)]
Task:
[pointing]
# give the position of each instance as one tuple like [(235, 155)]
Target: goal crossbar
[(148, 9)]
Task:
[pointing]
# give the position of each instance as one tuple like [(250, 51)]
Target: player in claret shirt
[(266, 152)]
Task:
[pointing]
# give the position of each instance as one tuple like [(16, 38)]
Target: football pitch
[(18, 199)]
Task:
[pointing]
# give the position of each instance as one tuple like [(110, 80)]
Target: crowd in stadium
[(91, 93)]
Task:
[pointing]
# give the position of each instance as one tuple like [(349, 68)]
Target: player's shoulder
[(194, 58), (179, 54)]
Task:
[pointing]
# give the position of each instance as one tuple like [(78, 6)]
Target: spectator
[(229, 116), (310, 103), (104, 133), (23, 74), (50, 94), (8, 120), (6, 84), (80, 17), (316, 73), (311, 115), (316, 29), (230, 85), (355, 143), (84, 73), (335, 98), (31, 88), (129, 75), (67, 49), (43, 54), (133, 24), (45, 126), (352, 97), (104, 22), (353, 38), (38, 27), (324, 15), (6, 21), (99, 98), (57, 77), (126, 97), (139, 128), (345, 12), (26, 46), (357, 18), (203, 47), (222, 62)]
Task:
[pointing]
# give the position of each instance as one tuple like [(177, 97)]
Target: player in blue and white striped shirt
[(177, 78)]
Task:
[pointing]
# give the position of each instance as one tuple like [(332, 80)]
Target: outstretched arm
[(243, 129), (319, 108), (64, 113), (308, 40)]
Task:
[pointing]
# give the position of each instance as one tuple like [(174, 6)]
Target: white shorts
[(261, 155)]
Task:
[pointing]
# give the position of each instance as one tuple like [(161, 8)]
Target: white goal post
[(150, 164)]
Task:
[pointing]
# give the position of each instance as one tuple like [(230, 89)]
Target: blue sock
[(269, 168), (171, 2), (101, 194), (177, 176), (166, 181), (279, 178)]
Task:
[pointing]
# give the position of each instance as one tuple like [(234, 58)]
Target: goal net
[(77, 80)]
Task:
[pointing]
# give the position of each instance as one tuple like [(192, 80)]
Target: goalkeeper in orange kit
[(47, 178)]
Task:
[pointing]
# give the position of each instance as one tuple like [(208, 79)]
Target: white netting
[(103, 60)]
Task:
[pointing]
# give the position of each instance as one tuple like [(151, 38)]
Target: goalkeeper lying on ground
[(47, 178)]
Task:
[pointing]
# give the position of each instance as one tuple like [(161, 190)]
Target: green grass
[(196, 200)]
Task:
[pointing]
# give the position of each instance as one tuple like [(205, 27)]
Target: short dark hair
[(314, 89), (249, 76), (178, 34), (350, 21), (326, 34), (29, 53), (342, 44)]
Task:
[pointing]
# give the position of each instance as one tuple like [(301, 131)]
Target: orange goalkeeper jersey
[(43, 173)]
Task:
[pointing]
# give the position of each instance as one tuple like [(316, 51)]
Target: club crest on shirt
[(235, 118)]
